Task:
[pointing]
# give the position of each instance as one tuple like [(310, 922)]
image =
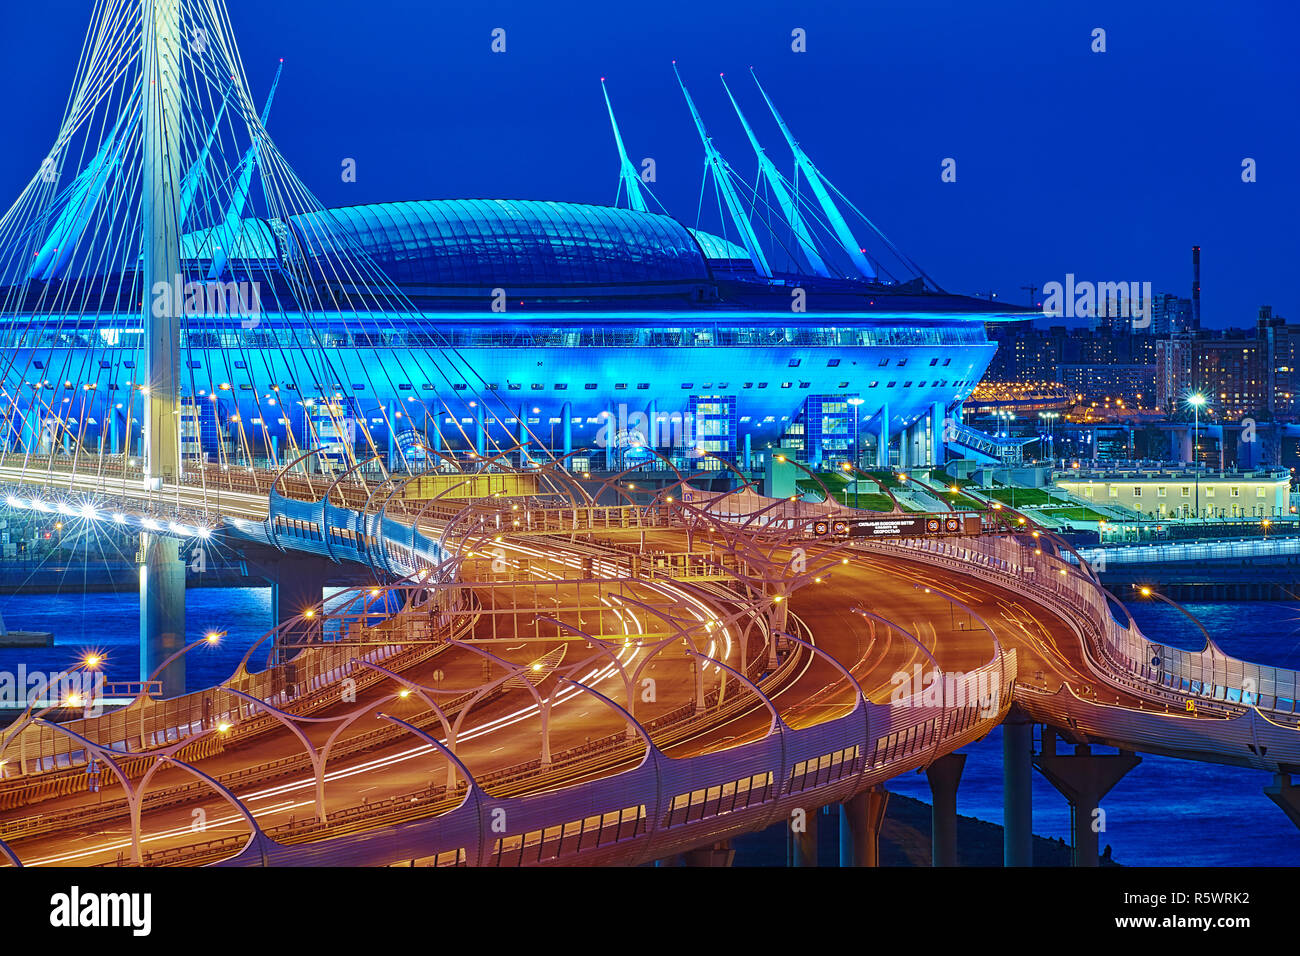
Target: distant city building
[(1095, 364), (1243, 374), (1176, 492), (1169, 314), (1132, 385)]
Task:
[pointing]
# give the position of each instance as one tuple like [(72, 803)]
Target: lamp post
[(1196, 400), (857, 415)]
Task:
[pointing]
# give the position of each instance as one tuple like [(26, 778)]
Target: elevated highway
[(550, 680)]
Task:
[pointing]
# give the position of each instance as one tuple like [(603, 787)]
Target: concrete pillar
[(275, 452), (566, 427), (1017, 790), (297, 583), (391, 421), (653, 438), (937, 454), (749, 454), (480, 430), (861, 817), (801, 847), (882, 439), (31, 431), (779, 478), (944, 775), (1286, 796), (523, 439), (436, 437), (1083, 778), (162, 611), (717, 854)]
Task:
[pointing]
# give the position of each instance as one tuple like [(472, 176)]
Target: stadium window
[(946, 362), (805, 384), (747, 385), (643, 385), (620, 385), (537, 387), (907, 385), (590, 386), (794, 363), (513, 386), (883, 362), (762, 384), (934, 361), (561, 387), (832, 363), (786, 384), (873, 385), (890, 384), (688, 384), (902, 362)]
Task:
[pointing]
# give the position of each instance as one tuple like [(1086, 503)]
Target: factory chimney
[(1196, 287)]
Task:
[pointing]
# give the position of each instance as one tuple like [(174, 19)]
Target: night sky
[(1108, 165)]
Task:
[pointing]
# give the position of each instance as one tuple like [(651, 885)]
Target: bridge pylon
[(162, 573)]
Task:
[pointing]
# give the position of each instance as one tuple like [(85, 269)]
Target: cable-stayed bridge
[(544, 667)]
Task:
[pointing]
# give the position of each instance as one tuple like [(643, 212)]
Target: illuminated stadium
[(411, 332)]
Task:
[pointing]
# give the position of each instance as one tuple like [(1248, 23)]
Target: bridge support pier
[(1017, 790), (717, 854), (1286, 796), (801, 845), (861, 817), (297, 583), (162, 611), (1083, 778), (944, 774)]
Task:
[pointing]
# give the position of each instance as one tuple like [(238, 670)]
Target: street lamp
[(857, 418), (1196, 400)]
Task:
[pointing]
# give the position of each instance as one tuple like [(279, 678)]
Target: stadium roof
[(498, 242)]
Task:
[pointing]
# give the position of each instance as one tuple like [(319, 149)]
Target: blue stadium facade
[(587, 329)]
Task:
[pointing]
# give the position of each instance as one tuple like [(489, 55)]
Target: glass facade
[(489, 243)]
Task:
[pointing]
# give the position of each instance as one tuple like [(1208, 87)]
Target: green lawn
[(1072, 514), (1016, 497)]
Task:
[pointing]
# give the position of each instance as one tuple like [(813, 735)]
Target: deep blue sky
[(1108, 165)]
